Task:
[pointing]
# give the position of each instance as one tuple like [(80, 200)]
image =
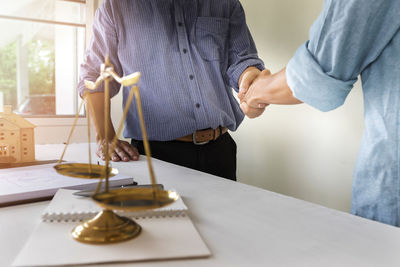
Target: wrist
[(252, 69), (100, 139), (278, 91)]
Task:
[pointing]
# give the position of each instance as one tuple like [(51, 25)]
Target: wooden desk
[(242, 225)]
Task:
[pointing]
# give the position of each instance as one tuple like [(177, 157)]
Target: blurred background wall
[(297, 150)]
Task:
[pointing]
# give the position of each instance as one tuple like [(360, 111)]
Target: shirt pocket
[(211, 35)]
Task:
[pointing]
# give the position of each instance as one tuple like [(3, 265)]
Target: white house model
[(17, 142)]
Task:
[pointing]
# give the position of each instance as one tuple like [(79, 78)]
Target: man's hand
[(122, 151), (246, 79), (251, 112), (256, 94), (267, 89)]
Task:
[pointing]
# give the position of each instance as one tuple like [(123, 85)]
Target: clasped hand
[(259, 90), (252, 91)]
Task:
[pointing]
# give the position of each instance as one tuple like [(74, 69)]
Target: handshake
[(258, 89)]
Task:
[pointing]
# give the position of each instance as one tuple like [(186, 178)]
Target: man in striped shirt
[(191, 53)]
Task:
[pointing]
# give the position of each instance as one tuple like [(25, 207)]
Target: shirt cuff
[(114, 89), (242, 67), (312, 85)]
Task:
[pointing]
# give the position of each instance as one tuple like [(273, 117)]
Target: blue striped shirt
[(191, 54)]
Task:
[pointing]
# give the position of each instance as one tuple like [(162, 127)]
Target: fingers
[(99, 152), (100, 149), (131, 151), (255, 97), (246, 79), (252, 88), (119, 154), (251, 112), (244, 86), (115, 156), (122, 151), (266, 72)]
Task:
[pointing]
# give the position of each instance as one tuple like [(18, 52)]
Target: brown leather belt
[(204, 136)]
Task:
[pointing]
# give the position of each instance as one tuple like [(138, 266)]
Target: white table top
[(242, 225)]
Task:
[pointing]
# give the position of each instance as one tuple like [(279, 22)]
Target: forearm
[(278, 91), (266, 89), (246, 79), (96, 112), (274, 89)]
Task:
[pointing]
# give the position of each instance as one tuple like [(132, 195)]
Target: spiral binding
[(83, 215)]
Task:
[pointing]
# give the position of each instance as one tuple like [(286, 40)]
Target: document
[(33, 183)]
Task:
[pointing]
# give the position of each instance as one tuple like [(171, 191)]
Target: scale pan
[(84, 170), (135, 199)]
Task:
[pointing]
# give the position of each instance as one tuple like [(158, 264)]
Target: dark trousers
[(216, 157)]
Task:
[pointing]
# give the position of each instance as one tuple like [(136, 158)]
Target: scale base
[(106, 228)]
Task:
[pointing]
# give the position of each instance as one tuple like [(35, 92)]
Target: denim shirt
[(190, 53), (352, 38)]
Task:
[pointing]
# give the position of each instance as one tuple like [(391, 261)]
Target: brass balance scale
[(108, 227)]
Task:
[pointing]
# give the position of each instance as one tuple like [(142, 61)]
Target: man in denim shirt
[(191, 54), (350, 38)]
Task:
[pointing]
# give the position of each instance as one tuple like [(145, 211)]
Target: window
[(42, 44)]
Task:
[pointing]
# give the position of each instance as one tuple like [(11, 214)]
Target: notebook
[(41, 182), (167, 233), (67, 207)]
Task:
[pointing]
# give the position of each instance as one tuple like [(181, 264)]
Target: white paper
[(51, 244), (161, 238), (41, 181)]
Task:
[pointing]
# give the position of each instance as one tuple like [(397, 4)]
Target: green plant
[(41, 69)]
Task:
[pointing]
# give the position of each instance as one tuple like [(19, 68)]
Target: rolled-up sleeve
[(242, 50), (312, 85), (346, 38), (104, 43)]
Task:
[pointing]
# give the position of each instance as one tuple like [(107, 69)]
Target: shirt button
[(180, 24), (197, 105), (191, 77), (184, 50)]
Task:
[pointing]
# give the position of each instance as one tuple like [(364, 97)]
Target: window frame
[(66, 120), (60, 125)]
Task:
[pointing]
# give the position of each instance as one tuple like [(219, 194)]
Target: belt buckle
[(198, 143)]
